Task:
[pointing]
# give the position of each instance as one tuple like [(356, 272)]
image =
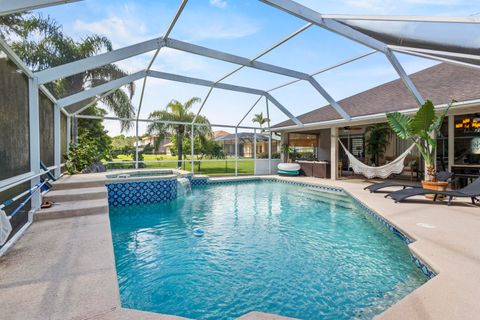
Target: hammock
[(396, 166)]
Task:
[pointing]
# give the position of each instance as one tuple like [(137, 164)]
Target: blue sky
[(245, 28)]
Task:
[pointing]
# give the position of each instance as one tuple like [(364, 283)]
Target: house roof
[(219, 133), (242, 136), (440, 83)]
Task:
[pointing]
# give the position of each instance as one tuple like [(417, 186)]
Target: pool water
[(268, 246)]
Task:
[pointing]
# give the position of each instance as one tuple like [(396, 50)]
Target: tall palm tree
[(260, 119), (53, 48), (176, 111)]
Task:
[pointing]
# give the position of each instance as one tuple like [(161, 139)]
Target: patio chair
[(442, 176), (471, 191)]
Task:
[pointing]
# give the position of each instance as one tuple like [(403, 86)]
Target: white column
[(236, 151), (284, 140), (192, 142), (269, 138), (270, 152), (334, 154), (136, 144), (34, 126), (69, 131), (254, 151), (75, 129), (451, 142), (57, 144)]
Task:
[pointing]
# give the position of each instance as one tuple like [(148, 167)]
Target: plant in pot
[(287, 152), (420, 128)]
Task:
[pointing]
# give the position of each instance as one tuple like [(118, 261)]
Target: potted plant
[(287, 152), (419, 128)]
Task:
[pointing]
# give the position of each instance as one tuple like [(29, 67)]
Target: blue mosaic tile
[(129, 193), (423, 267), (197, 182)]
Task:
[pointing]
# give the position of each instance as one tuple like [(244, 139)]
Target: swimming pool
[(268, 246)]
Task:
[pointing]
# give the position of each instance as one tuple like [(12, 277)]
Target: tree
[(21, 25), (122, 145), (377, 142), (175, 111), (94, 144), (204, 147), (419, 129), (53, 48), (260, 119)]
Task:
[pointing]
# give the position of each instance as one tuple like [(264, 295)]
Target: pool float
[(291, 169), (198, 232)]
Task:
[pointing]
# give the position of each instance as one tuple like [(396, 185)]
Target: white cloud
[(122, 28), (178, 61), (209, 26), (218, 3)]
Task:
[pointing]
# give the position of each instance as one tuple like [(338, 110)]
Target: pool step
[(328, 198), (62, 195), (73, 208), (329, 195), (69, 183)]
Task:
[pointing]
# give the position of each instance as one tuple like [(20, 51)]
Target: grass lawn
[(217, 167)]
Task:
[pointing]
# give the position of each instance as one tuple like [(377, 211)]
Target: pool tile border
[(122, 194)]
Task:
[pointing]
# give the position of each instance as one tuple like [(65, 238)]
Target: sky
[(246, 28)]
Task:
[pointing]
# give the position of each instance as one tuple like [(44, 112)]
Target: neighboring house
[(218, 134), (246, 144), (440, 83), (162, 147)]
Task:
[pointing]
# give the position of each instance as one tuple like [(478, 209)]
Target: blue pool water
[(267, 246)]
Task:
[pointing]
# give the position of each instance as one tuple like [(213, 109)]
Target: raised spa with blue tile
[(292, 250)]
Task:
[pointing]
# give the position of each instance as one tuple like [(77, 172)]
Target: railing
[(15, 181), (10, 183), (227, 166)]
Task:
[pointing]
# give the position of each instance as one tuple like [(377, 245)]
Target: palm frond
[(119, 103), (400, 124)]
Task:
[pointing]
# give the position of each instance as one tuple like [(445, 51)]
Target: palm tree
[(175, 111), (54, 48), (260, 119), (20, 25)]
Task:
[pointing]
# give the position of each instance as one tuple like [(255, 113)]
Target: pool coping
[(447, 249)]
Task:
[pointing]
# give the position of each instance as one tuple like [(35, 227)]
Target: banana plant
[(421, 129)]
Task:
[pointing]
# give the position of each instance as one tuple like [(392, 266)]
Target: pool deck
[(64, 268)]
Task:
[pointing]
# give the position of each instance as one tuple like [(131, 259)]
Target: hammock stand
[(396, 166)]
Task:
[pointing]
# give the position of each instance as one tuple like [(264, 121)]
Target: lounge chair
[(471, 191), (442, 176)]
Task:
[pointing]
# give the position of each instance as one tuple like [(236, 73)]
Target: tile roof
[(440, 83)]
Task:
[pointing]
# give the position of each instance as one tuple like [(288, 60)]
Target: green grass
[(217, 167)]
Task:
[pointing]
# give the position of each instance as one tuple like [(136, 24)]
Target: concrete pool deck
[(64, 268)]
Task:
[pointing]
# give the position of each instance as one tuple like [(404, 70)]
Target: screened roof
[(453, 41), (315, 50)]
